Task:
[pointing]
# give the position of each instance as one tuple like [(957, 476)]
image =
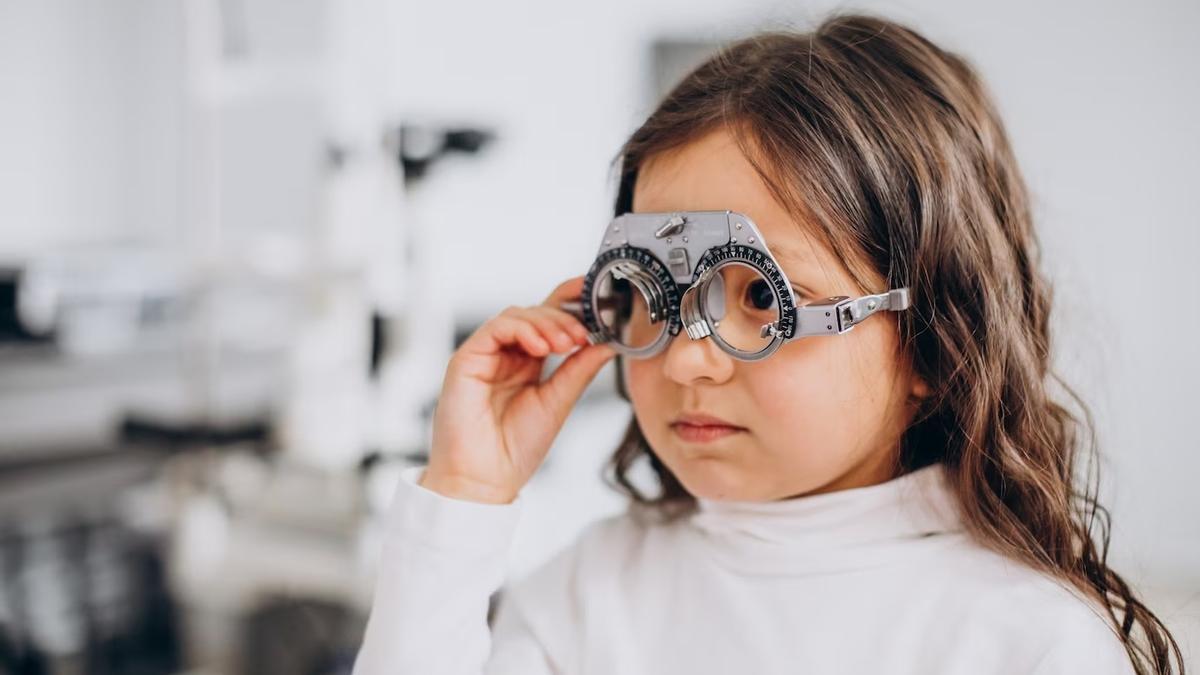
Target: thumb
[(560, 391)]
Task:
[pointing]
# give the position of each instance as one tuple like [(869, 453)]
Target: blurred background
[(239, 239)]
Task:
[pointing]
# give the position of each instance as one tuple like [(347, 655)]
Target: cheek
[(823, 400), (647, 389), (800, 401), (638, 378)]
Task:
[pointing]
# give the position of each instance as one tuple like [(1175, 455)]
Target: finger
[(564, 387), (565, 321), (551, 327), (506, 330)]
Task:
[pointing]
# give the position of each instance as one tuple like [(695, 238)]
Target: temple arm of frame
[(836, 315)]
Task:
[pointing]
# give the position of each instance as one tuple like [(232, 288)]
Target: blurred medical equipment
[(263, 537), (200, 433), (423, 145)]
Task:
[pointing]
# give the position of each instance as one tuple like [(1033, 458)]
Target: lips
[(703, 420), (701, 428)]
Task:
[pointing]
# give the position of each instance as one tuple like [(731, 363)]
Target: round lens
[(627, 305), (739, 302)]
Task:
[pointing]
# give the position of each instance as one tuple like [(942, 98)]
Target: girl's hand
[(494, 420)]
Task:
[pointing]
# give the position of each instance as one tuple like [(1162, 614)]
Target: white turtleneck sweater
[(880, 579)]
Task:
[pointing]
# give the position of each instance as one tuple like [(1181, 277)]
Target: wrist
[(465, 489)]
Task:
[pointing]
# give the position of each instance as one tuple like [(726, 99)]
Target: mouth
[(698, 428)]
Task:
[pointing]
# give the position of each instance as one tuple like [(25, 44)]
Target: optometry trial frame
[(711, 274)]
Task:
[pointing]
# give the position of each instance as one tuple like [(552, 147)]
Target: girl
[(896, 499)]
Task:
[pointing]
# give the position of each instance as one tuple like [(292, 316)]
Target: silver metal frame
[(680, 240)]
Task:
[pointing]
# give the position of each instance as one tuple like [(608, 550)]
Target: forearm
[(442, 560)]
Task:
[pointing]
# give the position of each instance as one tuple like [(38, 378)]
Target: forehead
[(711, 173)]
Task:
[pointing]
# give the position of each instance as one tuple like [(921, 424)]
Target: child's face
[(821, 413)]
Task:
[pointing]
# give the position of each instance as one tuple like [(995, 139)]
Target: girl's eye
[(760, 294)]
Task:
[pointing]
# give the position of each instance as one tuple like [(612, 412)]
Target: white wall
[(88, 122)]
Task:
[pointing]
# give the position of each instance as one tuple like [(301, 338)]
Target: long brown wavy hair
[(893, 148)]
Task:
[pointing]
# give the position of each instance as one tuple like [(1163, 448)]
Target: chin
[(708, 477)]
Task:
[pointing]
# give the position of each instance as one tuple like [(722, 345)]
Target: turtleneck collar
[(835, 531)]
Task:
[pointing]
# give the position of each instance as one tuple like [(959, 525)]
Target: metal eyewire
[(646, 285)]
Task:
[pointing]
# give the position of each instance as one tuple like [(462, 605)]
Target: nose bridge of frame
[(690, 315)]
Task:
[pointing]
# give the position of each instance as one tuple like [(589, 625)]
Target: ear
[(919, 389)]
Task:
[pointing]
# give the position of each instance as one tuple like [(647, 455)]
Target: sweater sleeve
[(442, 560)]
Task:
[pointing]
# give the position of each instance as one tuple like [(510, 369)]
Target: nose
[(691, 361)]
